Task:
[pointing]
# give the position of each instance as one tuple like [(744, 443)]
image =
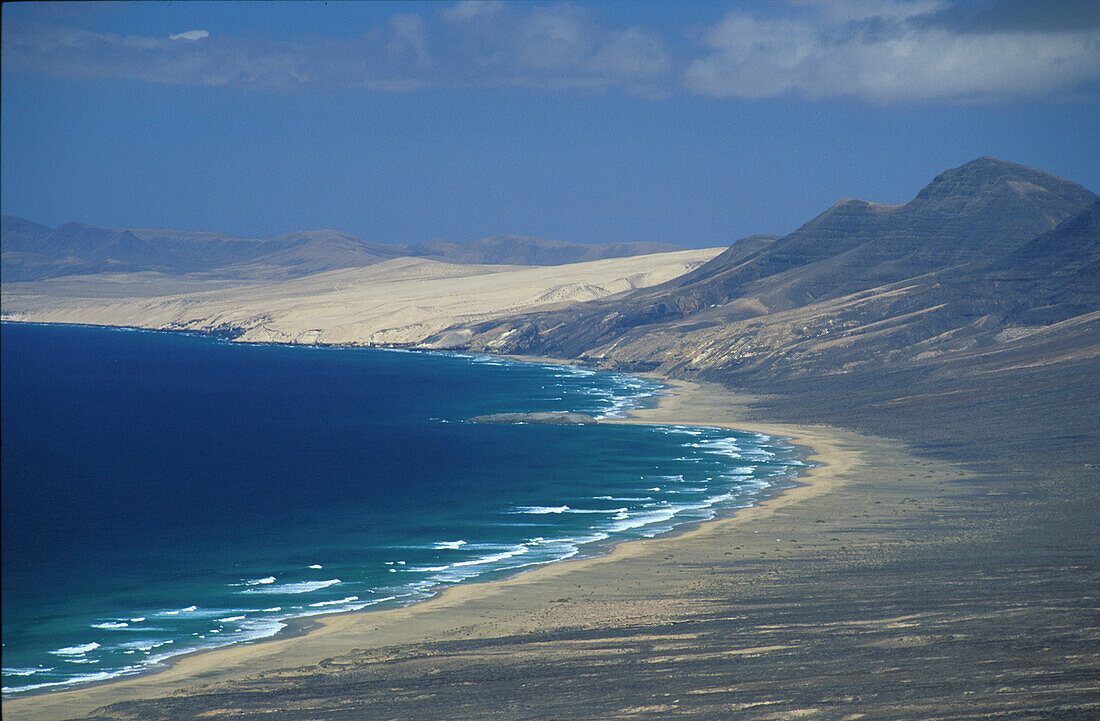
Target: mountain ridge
[(857, 287), (32, 251), (512, 249), (988, 259)]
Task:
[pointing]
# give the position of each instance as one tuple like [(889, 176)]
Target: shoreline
[(326, 636)]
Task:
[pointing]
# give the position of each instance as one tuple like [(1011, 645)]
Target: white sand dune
[(401, 301)]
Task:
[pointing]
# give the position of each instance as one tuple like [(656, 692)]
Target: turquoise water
[(164, 493)]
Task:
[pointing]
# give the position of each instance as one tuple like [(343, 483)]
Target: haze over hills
[(991, 261), (525, 250), (34, 252), (987, 254)]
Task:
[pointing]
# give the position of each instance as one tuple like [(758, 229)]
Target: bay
[(167, 492)]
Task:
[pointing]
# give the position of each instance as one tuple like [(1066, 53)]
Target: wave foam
[(300, 587), (24, 671), (541, 510), (146, 644), (644, 519), (75, 650), (81, 678), (502, 556), (322, 604), (178, 611)]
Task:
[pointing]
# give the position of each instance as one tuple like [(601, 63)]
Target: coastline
[(457, 610)]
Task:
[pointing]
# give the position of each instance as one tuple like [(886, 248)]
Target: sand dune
[(400, 301)]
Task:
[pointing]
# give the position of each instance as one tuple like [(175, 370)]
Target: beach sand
[(870, 588)]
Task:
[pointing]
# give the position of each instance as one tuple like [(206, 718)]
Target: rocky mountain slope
[(35, 252), (988, 256)]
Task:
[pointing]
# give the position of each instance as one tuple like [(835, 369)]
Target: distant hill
[(525, 250), (34, 252), (988, 253)]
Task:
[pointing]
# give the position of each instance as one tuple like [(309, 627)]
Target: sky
[(687, 122)]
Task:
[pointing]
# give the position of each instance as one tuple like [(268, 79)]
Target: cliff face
[(987, 257)]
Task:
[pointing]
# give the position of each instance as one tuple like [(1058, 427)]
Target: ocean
[(166, 492)]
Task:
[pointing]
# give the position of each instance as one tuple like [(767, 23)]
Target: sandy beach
[(650, 586)]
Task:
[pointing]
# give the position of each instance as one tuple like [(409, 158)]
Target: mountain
[(972, 213), (525, 250), (29, 252), (31, 235), (991, 264), (1055, 276), (35, 252), (988, 253)]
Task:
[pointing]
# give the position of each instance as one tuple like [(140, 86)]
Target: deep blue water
[(167, 492)]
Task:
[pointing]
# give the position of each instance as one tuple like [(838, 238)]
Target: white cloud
[(632, 53), (409, 35), (552, 37), (468, 10), (878, 51), (190, 35), (547, 46)]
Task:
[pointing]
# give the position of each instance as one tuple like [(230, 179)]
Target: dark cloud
[(1001, 16), (889, 51)]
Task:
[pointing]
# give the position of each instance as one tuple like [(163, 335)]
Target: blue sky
[(688, 122)]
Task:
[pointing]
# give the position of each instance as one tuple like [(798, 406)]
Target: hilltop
[(988, 254)]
